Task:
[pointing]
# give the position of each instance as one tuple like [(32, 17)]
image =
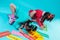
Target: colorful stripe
[(22, 34), (45, 35), (12, 37), (36, 35), (2, 34), (27, 36), (16, 33)]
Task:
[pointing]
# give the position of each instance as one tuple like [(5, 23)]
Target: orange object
[(36, 35), (2, 34)]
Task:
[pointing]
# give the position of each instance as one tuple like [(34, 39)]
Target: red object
[(30, 11), (2, 34), (27, 36), (38, 16)]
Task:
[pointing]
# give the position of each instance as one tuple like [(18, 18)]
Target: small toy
[(12, 37), (2, 34), (40, 16), (12, 17)]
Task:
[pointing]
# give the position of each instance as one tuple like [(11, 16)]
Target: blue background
[(23, 7)]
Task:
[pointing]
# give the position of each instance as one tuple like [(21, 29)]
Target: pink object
[(11, 18), (12, 15), (17, 33), (22, 34), (27, 36)]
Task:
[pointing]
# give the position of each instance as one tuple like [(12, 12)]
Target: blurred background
[(23, 7)]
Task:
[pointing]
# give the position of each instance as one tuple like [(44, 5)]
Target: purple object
[(12, 18)]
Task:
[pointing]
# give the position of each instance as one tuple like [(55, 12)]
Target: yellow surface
[(12, 37), (36, 35)]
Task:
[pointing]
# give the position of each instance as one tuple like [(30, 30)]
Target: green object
[(45, 28), (45, 35)]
